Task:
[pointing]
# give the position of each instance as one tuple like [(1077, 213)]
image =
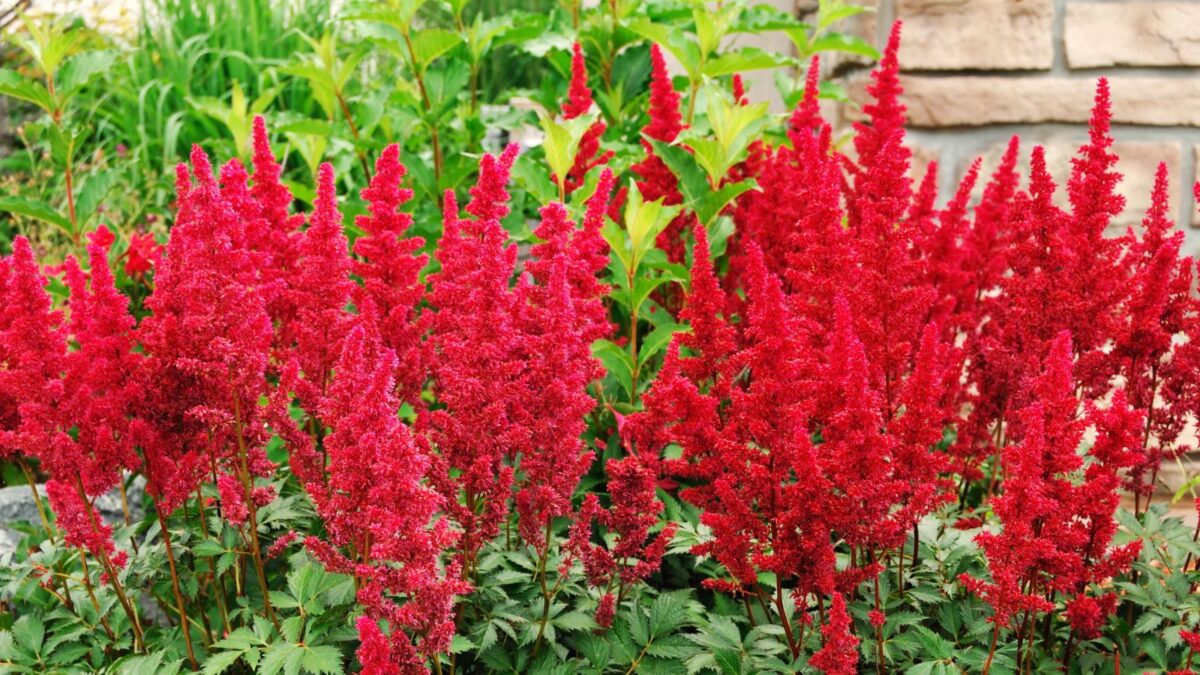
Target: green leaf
[(430, 43), (30, 632), (322, 660), (281, 656), (35, 209), (93, 192), (532, 175), (692, 181), (574, 621), (78, 70), (729, 661), (219, 662), (616, 361), (657, 340), (850, 44), (744, 60), (461, 644), (32, 91), (830, 13), (714, 202), (561, 143)]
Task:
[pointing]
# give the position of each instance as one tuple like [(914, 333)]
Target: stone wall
[(978, 71)]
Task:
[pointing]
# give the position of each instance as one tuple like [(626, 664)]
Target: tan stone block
[(984, 100), (976, 34), (1132, 34), (1137, 165)]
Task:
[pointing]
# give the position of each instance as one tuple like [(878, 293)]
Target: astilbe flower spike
[(564, 315), (579, 103), (635, 510), (839, 653), (1056, 530), (207, 342), (272, 231), (379, 508), (655, 179), (320, 291), (478, 359), (1158, 304), (390, 269)]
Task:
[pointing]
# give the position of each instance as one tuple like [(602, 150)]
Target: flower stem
[(180, 606)]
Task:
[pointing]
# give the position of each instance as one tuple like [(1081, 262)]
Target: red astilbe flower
[(142, 255), (579, 103), (885, 113), (1015, 321), (584, 254), (478, 360), (378, 507), (746, 459), (655, 180), (71, 407), (233, 500), (564, 315), (796, 218), (1095, 283), (765, 507), (272, 231), (390, 269), (319, 292), (32, 348), (941, 246), (682, 406), (926, 402), (1157, 308), (374, 653), (891, 296), (1057, 530), (856, 455), (635, 509), (207, 342), (839, 653)]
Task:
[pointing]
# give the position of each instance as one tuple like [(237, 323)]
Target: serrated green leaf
[(219, 662), (322, 660), (35, 209)]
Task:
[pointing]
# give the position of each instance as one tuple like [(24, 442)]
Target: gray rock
[(17, 506)]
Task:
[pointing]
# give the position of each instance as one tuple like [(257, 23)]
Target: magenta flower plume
[(839, 653), (390, 269)]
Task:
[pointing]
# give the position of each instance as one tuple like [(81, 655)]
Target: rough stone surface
[(976, 34), (17, 506), (1132, 34), (1138, 164), (984, 100)]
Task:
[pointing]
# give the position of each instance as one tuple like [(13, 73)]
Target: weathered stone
[(1132, 34), (976, 34), (17, 506), (1138, 163), (983, 100)]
